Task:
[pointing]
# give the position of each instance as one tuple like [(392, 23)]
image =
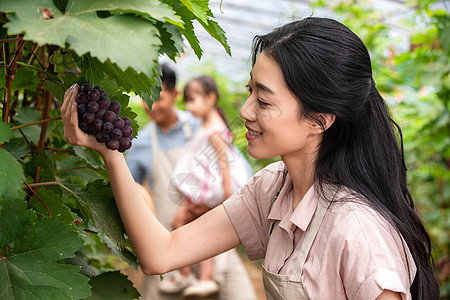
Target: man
[(151, 161)]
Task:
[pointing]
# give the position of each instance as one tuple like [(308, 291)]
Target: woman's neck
[(301, 169)]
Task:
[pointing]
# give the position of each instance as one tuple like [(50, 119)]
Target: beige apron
[(163, 165), (290, 287)]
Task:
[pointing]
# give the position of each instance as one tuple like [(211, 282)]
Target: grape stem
[(36, 194)]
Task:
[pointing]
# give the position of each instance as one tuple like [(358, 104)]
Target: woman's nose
[(246, 112)]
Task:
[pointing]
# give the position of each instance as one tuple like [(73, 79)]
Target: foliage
[(57, 211), (412, 71)]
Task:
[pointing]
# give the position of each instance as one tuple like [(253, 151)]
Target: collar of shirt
[(303, 213)]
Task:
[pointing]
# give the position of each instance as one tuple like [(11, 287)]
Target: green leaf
[(198, 7), (17, 148), (56, 89), (129, 80), (172, 41), (11, 176), (5, 132), (105, 215), (112, 286), (29, 268), (46, 170), (90, 156), (149, 8), (24, 79), (127, 40), (25, 115), (75, 169), (54, 204)]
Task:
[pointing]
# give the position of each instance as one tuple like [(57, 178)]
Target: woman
[(334, 219)]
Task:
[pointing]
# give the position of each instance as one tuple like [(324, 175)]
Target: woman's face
[(197, 102), (271, 115)]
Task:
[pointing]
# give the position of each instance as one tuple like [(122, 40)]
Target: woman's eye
[(249, 88), (261, 103)]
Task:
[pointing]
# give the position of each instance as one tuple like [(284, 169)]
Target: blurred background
[(409, 43)]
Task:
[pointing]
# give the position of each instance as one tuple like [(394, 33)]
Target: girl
[(210, 171), (334, 219)]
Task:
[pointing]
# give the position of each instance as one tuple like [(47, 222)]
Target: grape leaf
[(24, 79), (30, 252), (75, 169), (89, 155), (112, 285), (53, 202), (129, 41), (11, 176), (5, 132), (46, 170), (198, 7), (104, 211), (149, 8), (129, 79), (25, 115), (172, 41), (17, 148), (56, 89)]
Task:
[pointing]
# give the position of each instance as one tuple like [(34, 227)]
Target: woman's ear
[(322, 122)]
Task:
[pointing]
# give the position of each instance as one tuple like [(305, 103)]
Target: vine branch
[(35, 123)]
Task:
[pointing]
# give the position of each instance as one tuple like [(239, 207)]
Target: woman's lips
[(252, 134)]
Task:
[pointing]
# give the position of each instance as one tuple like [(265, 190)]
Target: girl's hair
[(327, 67), (209, 86)]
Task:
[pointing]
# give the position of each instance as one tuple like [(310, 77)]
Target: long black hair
[(327, 67)]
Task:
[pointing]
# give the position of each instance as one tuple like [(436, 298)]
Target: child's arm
[(157, 249), (220, 148)]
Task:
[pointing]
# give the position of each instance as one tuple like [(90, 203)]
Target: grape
[(109, 116), (89, 117), (96, 126), (93, 95), (112, 144), (124, 144), (70, 65), (108, 127), (60, 68), (127, 121), (68, 58), (85, 88), (92, 107), (82, 98), (100, 113), (82, 109), (102, 137), (99, 116), (115, 107), (51, 59), (58, 58), (118, 123), (83, 126), (116, 133), (104, 102), (127, 131)]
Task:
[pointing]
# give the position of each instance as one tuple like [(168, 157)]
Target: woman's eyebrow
[(262, 86)]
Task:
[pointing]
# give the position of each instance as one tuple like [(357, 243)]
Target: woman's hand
[(72, 133)]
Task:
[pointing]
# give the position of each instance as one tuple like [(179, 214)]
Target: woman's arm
[(157, 249)]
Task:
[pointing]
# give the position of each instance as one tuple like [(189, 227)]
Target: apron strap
[(154, 138), (311, 233)]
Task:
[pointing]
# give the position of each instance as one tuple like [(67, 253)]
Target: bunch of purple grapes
[(99, 116)]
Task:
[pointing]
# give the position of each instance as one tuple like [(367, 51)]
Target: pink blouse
[(356, 253)]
